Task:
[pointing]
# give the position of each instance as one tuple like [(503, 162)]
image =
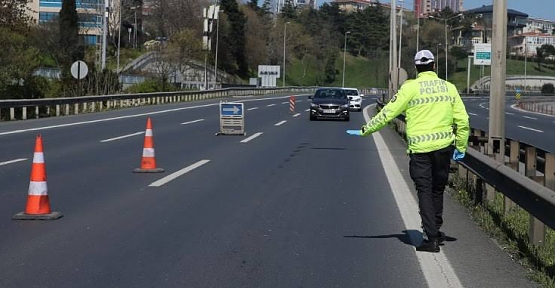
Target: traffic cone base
[(48, 216), (153, 170)]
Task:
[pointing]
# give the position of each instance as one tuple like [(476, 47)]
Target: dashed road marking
[(528, 117), (122, 137), (253, 108), (280, 123), (531, 129), (12, 161), (191, 122), (270, 105), (181, 172), (251, 137)]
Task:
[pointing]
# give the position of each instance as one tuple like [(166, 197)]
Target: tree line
[(249, 35)]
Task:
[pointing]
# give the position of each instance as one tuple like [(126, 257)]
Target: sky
[(534, 8)]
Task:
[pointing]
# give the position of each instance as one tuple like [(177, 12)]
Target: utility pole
[(120, 11), (284, 41), (344, 56), (393, 75), (104, 32), (496, 134)]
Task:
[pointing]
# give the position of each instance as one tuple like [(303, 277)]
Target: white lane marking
[(280, 123), (307, 110), (12, 161), (531, 129), (296, 115), (509, 113), (284, 102), (299, 100), (253, 108), (181, 172), (473, 114), (122, 137), (528, 117), (191, 122), (270, 105), (252, 137), (435, 266)]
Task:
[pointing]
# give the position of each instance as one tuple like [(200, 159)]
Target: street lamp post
[(284, 35), (400, 35), (525, 63), (119, 34), (437, 56), (446, 43), (344, 56), (217, 44), (134, 8)]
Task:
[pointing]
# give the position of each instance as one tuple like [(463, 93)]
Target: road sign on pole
[(482, 54), (79, 70), (232, 118)]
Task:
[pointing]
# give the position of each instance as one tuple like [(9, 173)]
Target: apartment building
[(89, 12), (278, 4), (526, 44), (539, 25), (425, 7)]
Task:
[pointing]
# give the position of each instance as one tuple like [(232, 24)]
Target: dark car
[(329, 103)]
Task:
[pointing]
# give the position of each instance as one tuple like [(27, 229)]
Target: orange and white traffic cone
[(148, 162), (38, 204)]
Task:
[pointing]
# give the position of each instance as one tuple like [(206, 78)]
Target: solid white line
[(435, 266), (12, 161), (122, 137), (178, 173), (473, 114), (296, 115), (280, 123), (270, 105), (528, 117), (531, 129), (252, 137), (191, 122), (253, 108)]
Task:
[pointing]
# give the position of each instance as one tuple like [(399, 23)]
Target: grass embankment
[(511, 232)]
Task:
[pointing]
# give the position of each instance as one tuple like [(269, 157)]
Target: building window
[(51, 3), (90, 39), (47, 16)]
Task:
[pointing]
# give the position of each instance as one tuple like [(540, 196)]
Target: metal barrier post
[(536, 231), (24, 116), (12, 114)]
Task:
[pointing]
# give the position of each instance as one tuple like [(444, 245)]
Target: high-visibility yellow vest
[(432, 106)]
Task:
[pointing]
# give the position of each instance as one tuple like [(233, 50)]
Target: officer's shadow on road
[(409, 237)]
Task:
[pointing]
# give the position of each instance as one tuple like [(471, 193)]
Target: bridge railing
[(525, 178), (22, 109)]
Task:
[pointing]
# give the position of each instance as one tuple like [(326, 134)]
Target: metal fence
[(22, 109)]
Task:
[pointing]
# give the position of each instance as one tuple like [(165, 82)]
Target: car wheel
[(312, 118), (347, 118)]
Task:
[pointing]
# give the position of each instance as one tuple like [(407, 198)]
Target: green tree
[(14, 15), (253, 4), (234, 38), (71, 46), (288, 11), (330, 71)]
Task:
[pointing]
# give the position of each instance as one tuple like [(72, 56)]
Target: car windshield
[(330, 94), (351, 92)]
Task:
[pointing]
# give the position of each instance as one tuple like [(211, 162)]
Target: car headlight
[(345, 106)]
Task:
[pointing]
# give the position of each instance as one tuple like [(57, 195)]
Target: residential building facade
[(278, 4), (425, 7), (89, 12), (526, 44), (539, 25)]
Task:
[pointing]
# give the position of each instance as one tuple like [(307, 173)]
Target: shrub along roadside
[(510, 231)]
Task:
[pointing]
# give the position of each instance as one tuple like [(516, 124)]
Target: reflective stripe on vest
[(429, 137), (431, 99)]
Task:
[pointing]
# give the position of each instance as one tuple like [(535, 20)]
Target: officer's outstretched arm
[(460, 118), (394, 108)]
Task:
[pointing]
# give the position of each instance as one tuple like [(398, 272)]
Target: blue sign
[(231, 109), (517, 90)]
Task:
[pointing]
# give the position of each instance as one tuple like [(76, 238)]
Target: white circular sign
[(79, 70)]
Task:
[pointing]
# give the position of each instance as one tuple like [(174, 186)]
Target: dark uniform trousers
[(430, 173)]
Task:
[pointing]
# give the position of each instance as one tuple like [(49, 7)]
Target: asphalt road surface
[(294, 203)]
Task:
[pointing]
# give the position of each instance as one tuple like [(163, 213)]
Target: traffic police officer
[(436, 119)]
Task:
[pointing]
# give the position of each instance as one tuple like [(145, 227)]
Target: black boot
[(441, 237), (429, 246)]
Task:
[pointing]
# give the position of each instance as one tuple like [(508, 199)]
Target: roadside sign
[(517, 96), (232, 118), (482, 54), (79, 69)]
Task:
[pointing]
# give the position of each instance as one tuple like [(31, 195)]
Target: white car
[(355, 98)]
